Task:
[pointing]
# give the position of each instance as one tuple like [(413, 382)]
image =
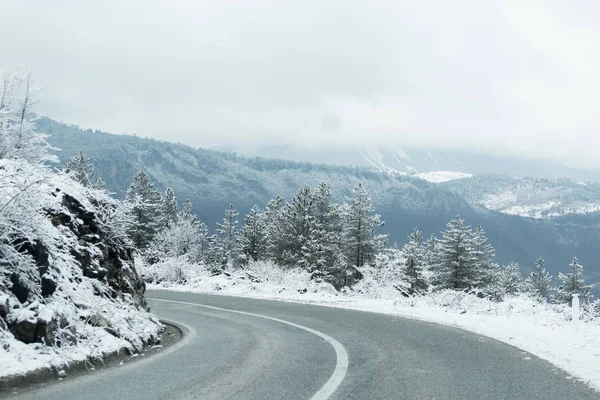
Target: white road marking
[(341, 367)]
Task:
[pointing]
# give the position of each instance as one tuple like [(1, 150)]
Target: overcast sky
[(511, 76)]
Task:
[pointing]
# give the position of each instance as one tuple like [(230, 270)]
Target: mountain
[(414, 160), (214, 179)]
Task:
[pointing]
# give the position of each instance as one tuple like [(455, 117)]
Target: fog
[(516, 77)]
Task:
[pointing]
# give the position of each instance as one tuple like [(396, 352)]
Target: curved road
[(239, 348)]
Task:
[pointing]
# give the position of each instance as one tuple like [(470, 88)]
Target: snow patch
[(442, 176)]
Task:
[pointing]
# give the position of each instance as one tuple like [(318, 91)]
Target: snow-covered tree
[(274, 220), (253, 235), (178, 239), (431, 248), (508, 281), (187, 209), (360, 241), (146, 207), (81, 168), (207, 245), (538, 282), (19, 139), (455, 267), (414, 269), (301, 231), (573, 283), (229, 236), (168, 209), (485, 269), (329, 229)]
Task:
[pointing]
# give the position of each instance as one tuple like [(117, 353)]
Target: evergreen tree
[(207, 251), (456, 269), (300, 231), (328, 229), (81, 169), (508, 281), (431, 248), (360, 241), (253, 235), (229, 236), (274, 220), (538, 282), (573, 283), (169, 210), (146, 206), (483, 253), (413, 266)]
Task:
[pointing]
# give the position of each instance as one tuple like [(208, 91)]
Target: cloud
[(518, 77)]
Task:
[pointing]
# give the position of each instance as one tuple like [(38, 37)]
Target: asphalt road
[(303, 352)]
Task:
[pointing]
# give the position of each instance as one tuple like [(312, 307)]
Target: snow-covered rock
[(65, 278)]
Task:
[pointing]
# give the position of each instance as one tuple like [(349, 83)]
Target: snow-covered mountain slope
[(529, 197), (414, 160), (442, 176)]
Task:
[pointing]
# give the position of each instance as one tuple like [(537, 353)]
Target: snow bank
[(540, 329)]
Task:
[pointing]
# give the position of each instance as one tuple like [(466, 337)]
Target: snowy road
[(243, 356)]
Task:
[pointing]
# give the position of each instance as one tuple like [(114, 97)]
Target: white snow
[(442, 176), (538, 211), (540, 329)]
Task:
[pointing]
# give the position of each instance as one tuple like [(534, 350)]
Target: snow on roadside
[(540, 329), (18, 358)]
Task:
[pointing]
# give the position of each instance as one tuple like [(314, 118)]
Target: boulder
[(343, 276), (53, 329), (99, 321), (4, 306), (49, 286), (18, 288), (23, 328)]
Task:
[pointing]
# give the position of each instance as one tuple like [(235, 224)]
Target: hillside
[(213, 179), (418, 160)]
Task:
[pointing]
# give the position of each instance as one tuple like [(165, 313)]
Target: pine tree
[(360, 241), (229, 236), (414, 264), (508, 281), (455, 267), (483, 253), (328, 230), (300, 231), (274, 220), (538, 282), (431, 248), (81, 169), (253, 235), (146, 205), (573, 283), (169, 210), (207, 251)]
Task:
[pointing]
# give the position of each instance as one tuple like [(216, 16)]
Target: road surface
[(238, 348)]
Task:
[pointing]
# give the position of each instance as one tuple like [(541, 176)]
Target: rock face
[(106, 264)]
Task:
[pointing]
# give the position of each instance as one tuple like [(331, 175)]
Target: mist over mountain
[(213, 180), (412, 160)]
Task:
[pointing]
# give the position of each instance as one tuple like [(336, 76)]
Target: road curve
[(238, 348)]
